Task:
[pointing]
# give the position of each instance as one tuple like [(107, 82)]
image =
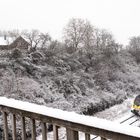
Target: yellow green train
[(136, 105)]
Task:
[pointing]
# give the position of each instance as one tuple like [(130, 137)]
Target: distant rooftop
[(4, 40)]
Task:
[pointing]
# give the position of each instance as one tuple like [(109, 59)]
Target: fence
[(71, 121)]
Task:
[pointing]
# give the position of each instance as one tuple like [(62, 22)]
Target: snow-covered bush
[(16, 53), (37, 57), (136, 54)]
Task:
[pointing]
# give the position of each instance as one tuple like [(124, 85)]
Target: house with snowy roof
[(7, 43), (4, 42)]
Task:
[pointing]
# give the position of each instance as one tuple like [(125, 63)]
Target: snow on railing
[(71, 121)]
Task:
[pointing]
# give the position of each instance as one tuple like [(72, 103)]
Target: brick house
[(8, 44), (20, 43)]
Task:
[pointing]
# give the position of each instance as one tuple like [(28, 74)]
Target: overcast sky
[(121, 17)]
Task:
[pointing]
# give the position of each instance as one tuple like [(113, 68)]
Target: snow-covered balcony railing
[(71, 121)]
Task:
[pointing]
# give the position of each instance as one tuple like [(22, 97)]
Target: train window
[(137, 100)]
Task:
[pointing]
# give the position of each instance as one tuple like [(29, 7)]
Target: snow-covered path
[(117, 111)]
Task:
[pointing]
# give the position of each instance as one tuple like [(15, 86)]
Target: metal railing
[(18, 110)]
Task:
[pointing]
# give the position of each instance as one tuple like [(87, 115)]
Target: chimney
[(4, 37)]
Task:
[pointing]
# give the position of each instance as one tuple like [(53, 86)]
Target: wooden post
[(5, 125), (72, 135), (44, 131), (23, 128), (87, 136), (55, 132), (14, 126), (33, 129), (103, 138)]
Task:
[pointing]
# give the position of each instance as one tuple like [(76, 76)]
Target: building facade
[(7, 44)]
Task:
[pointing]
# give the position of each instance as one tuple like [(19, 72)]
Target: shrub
[(135, 54), (37, 57), (16, 53)]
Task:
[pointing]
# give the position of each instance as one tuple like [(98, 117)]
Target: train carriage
[(136, 105)]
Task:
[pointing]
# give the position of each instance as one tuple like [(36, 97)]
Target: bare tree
[(88, 37), (32, 37), (134, 47), (80, 33), (134, 43), (36, 38), (104, 41), (74, 32), (45, 40)]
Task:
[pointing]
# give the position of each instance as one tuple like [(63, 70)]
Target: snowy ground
[(115, 113)]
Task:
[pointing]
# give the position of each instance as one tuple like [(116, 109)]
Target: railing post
[(103, 138), (5, 125), (33, 129), (44, 131), (23, 128), (14, 126), (55, 132), (87, 136), (72, 135)]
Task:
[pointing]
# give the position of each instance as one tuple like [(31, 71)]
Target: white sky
[(121, 17)]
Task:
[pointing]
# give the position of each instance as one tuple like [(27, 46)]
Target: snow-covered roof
[(25, 38), (6, 41), (72, 117), (3, 41)]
